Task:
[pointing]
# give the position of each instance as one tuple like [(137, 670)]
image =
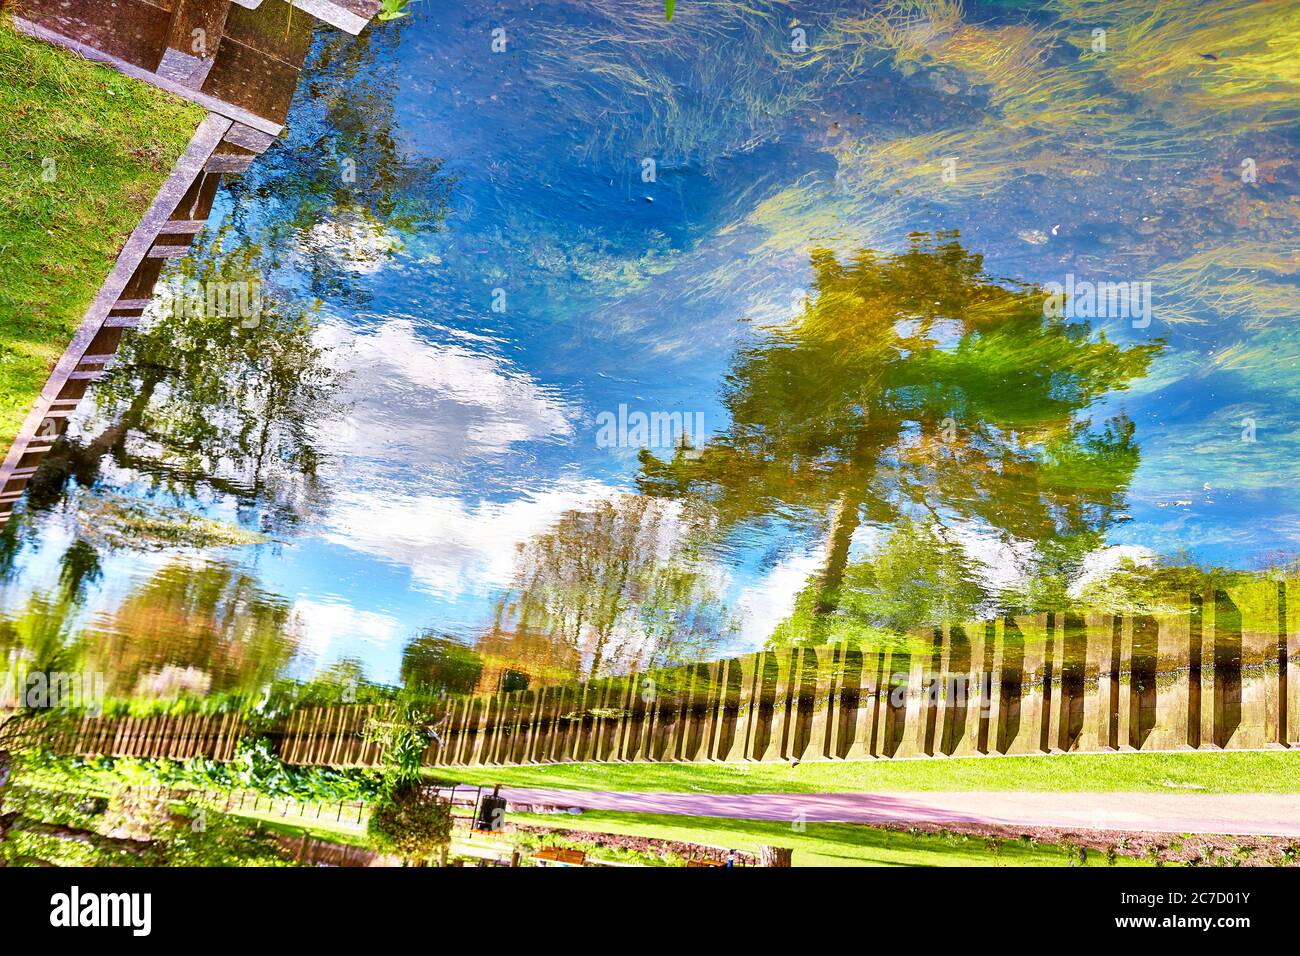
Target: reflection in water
[(606, 590), (191, 630), (442, 665), (917, 394), (204, 630), (203, 401), (1227, 669), (338, 192), (393, 474), (901, 700), (1049, 682)]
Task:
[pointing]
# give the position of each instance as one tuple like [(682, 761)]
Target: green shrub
[(411, 821)]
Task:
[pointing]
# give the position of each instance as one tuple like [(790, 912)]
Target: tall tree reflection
[(610, 587), (916, 388)]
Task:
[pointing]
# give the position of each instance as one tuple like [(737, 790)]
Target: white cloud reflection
[(450, 545), (418, 405), (328, 629)]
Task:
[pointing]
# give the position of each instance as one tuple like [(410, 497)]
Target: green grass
[(819, 844), (1179, 772), (823, 844), (107, 142), (342, 833)]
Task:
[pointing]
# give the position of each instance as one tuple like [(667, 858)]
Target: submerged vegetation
[(1149, 107), (1220, 57)]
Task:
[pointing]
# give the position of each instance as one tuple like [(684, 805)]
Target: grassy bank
[(826, 844), (818, 844), (83, 150), (1208, 772)]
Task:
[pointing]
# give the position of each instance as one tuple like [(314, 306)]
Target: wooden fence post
[(774, 856)]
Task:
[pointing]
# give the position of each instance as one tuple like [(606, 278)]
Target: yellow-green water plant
[(1233, 56), (394, 9)]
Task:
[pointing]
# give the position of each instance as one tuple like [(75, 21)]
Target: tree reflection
[(41, 636), (441, 665), (79, 568), (916, 578), (608, 588), (197, 628), (215, 401), (199, 404), (916, 392), (339, 185)]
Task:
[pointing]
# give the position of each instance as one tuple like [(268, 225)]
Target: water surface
[(640, 341)]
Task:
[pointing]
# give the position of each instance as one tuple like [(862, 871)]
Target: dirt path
[(1259, 814)]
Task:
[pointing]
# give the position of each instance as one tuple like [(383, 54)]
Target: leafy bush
[(411, 821), (130, 829), (255, 768), (200, 837), (404, 731)]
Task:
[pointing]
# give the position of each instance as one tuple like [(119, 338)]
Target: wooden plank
[(173, 227), (212, 104), (204, 141)]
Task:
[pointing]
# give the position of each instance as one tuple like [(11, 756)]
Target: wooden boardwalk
[(244, 74)]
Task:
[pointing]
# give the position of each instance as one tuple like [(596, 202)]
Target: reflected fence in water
[(1212, 671)]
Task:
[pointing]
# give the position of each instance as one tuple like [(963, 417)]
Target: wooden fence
[(1214, 671)]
